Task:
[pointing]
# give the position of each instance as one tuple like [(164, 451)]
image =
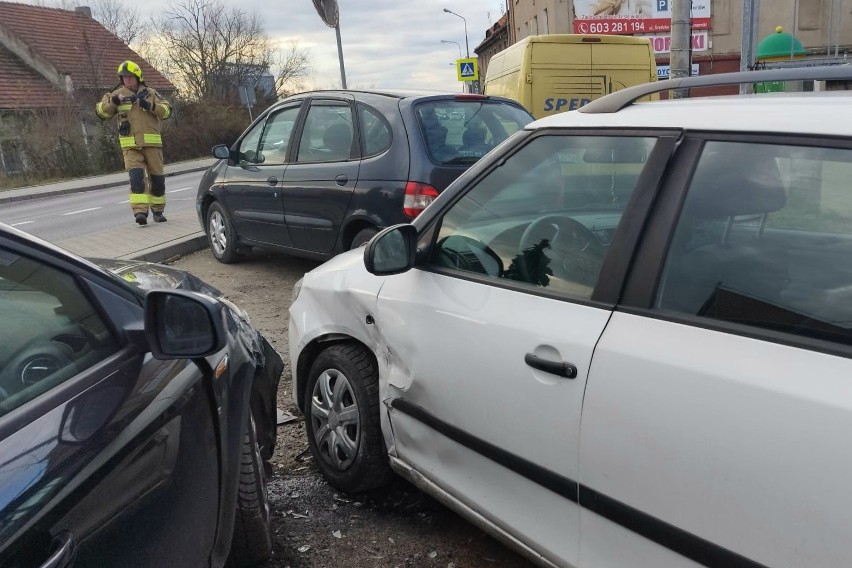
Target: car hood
[(148, 276)]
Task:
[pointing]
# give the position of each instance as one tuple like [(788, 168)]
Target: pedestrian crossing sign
[(467, 69)]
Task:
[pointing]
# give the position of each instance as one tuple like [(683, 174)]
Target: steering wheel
[(33, 363), (560, 246)]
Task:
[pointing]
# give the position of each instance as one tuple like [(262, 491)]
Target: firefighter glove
[(116, 100), (144, 104)]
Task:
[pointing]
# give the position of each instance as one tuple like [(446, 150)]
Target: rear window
[(459, 132)]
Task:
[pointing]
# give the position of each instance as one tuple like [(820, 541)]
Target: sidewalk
[(154, 242)]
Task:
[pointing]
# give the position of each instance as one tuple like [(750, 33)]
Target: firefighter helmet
[(130, 69)]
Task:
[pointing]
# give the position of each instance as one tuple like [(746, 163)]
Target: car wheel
[(252, 540), (342, 419), (363, 236), (221, 234)]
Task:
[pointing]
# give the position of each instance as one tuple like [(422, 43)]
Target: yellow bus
[(559, 72)]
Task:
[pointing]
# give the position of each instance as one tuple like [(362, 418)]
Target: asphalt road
[(74, 215)]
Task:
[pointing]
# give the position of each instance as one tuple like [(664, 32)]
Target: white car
[(623, 338)]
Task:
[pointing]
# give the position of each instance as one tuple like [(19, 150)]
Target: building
[(54, 66), (496, 40), (824, 27)]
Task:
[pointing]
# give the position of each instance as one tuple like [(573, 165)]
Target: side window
[(765, 239), (327, 136), (546, 216), (248, 145), (276, 136), (375, 131), (49, 331)]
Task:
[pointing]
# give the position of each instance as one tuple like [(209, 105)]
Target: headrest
[(731, 183), (338, 137)]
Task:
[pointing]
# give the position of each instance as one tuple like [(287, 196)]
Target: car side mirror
[(182, 324), (221, 152), (392, 251)]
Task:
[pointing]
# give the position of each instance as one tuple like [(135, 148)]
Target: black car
[(322, 172), (135, 424)]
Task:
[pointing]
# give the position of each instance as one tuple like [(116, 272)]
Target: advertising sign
[(629, 17), (663, 43), (664, 70)]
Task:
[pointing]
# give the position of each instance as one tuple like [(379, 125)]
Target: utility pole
[(751, 15), (680, 62)]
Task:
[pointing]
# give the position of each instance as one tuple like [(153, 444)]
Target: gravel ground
[(313, 524)]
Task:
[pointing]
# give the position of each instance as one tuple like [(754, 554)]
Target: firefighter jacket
[(137, 128)]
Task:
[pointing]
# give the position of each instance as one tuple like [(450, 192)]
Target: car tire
[(363, 236), (222, 236), (350, 453), (252, 540)]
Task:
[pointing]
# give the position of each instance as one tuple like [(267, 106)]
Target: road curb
[(168, 251), (82, 189)]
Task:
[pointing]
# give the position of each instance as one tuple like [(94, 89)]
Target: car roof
[(395, 93), (817, 112), (826, 113)]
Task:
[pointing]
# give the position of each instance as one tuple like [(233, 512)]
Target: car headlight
[(297, 287)]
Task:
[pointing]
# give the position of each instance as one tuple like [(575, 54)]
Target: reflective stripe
[(140, 199), (158, 200), (125, 107), (127, 141), (167, 110), (152, 139), (99, 109)]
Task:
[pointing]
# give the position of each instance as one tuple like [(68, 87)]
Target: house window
[(12, 156)]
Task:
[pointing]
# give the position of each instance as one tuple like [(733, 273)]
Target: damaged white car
[(623, 338)]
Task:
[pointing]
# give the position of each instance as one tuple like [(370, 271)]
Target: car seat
[(709, 253)]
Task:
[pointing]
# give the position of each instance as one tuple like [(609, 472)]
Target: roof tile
[(75, 44)]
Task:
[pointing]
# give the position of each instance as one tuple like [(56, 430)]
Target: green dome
[(778, 46)]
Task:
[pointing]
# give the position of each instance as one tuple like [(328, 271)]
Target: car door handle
[(560, 368), (272, 180), (341, 179), (64, 553)]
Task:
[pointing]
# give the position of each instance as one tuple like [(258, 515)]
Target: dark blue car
[(134, 424), (322, 172)]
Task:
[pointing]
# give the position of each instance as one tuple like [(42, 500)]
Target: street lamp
[(466, 45), (457, 45), (455, 42)]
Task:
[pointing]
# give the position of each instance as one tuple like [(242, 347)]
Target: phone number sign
[(624, 17), (630, 25)]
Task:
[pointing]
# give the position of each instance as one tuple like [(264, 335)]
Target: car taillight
[(417, 197)]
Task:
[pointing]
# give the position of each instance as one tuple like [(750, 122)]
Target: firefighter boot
[(159, 217), (142, 219)]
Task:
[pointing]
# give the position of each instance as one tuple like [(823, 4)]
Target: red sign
[(630, 25)]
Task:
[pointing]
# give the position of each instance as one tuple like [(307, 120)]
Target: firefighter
[(140, 110)]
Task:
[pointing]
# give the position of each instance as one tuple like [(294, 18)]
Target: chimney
[(85, 10)]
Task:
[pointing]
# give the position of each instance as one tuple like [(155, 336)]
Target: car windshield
[(460, 131)]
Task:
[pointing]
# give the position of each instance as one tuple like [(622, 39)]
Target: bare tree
[(123, 21), (292, 66), (213, 48)]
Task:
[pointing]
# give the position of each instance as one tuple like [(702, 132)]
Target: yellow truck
[(559, 72)]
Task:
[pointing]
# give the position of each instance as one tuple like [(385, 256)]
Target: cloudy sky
[(386, 43)]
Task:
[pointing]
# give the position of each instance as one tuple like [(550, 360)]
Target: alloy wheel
[(218, 236)]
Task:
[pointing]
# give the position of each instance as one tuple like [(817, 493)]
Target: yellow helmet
[(128, 68)]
